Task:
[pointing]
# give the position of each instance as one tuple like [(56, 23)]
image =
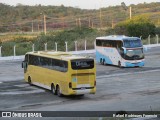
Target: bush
[(157, 30), (24, 45), (137, 26)]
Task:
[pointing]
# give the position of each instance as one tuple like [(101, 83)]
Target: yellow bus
[(60, 72)]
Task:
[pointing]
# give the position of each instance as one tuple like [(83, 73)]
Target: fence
[(21, 49)]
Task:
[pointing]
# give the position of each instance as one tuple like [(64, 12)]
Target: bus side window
[(59, 65), (45, 62), (64, 66), (98, 43), (30, 59)]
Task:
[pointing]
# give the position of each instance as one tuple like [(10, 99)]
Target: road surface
[(128, 89)]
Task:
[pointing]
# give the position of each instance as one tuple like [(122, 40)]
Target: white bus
[(120, 50)]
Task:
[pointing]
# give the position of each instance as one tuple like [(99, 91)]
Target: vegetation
[(69, 36), (22, 18), (137, 26), (76, 34), (23, 26)]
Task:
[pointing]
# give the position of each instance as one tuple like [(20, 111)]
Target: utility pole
[(0, 51), (38, 27), (112, 24), (80, 23), (100, 17), (89, 22), (32, 26), (76, 23), (44, 24), (130, 12), (63, 22)]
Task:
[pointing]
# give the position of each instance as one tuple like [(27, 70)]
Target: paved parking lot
[(129, 89)]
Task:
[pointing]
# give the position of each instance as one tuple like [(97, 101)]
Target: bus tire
[(119, 64), (29, 80), (81, 95), (103, 62), (53, 90), (58, 91)]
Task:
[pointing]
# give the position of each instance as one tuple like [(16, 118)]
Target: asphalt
[(127, 89)]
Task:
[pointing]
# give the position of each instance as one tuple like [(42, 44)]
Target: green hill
[(22, 18)]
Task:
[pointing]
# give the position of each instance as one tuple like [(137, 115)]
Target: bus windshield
[(132, 43), (82, 64), (134, 54)]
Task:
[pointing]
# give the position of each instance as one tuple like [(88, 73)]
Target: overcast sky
[(84, 4)]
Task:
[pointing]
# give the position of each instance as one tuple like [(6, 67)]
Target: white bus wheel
[(119, 64)]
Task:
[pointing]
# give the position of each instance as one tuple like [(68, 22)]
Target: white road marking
[(22, 85), (122, 74), (22, 92)]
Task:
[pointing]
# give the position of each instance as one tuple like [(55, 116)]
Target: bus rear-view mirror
[(22, 65), (145, 49)]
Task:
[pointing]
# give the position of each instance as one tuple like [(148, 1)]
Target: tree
[(137, 26)]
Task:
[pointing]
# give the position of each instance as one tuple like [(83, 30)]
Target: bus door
[(119, 51)]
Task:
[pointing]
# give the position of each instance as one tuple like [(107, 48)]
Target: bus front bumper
[(138, 64)]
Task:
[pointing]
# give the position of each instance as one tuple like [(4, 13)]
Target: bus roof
[(56, 54), (117, 37)]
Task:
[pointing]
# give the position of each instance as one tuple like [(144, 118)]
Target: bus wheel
[(119, 64), (59, 91), (103, 62), (29, 80), (53, 90)]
